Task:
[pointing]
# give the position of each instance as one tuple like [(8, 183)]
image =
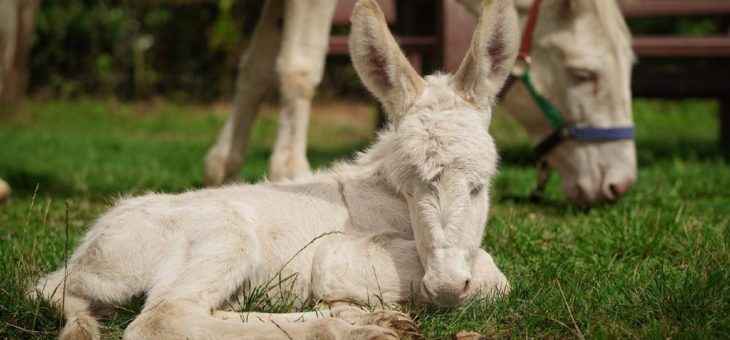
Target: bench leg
[(725, 127)]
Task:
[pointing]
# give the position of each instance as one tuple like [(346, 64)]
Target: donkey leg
[(255, 79), (335, 310), (359, 321), (325, 312), (191, 283), (76, 291), (300, 67), (80, 324), (389, 271), (277, 327), (181, 304)]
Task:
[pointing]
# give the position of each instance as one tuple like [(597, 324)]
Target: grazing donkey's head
[(581, 63), (441, 156)]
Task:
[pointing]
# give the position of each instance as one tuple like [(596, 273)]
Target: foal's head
[(581, 62), (442, 156)]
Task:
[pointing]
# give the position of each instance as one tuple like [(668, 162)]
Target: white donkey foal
[(408, 217)]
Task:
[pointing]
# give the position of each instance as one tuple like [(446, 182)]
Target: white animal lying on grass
[(403, 220)]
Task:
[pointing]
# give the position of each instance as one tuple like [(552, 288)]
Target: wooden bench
[(704, 62)]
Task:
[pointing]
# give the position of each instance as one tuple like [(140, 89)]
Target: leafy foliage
[(85, 46)]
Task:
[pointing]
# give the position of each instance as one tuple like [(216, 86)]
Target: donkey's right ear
[(379, 62)]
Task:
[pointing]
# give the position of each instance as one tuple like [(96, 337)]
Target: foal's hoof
[(400, 323), (465, 335), (372, 333)]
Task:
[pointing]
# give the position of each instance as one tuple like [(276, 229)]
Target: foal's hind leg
[(182, 306), (77, 291), (300, 67), (255, 79), (194, 279)]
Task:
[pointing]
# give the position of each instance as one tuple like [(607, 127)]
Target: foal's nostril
[(614, 190), (466, 288), (618, 189)]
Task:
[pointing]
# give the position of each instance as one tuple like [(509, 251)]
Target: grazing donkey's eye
[(582, 75)]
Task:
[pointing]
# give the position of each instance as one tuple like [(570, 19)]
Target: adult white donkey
[(572, 92), (576, 109), (406, 217)]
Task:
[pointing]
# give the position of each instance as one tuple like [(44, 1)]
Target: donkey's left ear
[(491, 55)]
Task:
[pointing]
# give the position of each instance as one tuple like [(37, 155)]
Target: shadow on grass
[(25, 182), (547, 206), (655, 150), (649, 151)]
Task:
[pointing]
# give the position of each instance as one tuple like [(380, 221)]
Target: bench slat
[(682, 46), (660, 8), (679, 85), (344, 8), (338, 44)]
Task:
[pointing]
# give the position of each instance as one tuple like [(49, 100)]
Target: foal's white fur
[(581, 62), (406, 217)]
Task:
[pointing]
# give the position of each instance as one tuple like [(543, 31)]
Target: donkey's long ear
[(491, 55), (379, 62)]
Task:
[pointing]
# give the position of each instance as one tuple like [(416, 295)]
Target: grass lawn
[(653, 265)]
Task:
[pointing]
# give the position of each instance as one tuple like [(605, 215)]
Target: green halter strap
[(551, 113)]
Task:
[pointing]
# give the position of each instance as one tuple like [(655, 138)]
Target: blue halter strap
[(584, 134)]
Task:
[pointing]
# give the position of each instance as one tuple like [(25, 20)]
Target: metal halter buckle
[(522, 65)]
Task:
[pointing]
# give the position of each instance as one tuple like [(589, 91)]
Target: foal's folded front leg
[(383, 322)]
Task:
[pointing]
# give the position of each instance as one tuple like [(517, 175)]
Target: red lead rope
[(526, 44), (523, 58)]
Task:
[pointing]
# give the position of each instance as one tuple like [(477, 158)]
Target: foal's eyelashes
[(477, 189)]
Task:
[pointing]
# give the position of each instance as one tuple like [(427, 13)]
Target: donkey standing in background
[(582, 61), (406, 217)]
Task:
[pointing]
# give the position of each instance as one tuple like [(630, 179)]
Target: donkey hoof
[(372, 333), (400, 323)]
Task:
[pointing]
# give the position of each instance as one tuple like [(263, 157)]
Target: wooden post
[(17, 18), (725, 127)]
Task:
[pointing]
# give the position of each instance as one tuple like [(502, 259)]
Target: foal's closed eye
[(477, 189)]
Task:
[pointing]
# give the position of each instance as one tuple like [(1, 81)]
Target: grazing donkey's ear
[(491, 55), (379, 62)]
